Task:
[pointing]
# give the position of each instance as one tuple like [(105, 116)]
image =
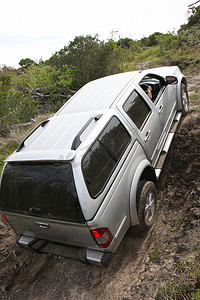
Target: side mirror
[(171, 80)]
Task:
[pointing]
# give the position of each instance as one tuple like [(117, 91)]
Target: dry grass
[(9, 144)]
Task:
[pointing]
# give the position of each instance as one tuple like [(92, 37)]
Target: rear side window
[(103, 156), (41, 190), (137, 109)]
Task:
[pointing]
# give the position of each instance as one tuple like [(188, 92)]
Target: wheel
[(184, 99), (146, 205)]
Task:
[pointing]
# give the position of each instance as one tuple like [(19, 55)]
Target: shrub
[(45, 81), (15, 107)]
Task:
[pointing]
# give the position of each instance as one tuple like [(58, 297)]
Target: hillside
[(45, 85), (163, 265)]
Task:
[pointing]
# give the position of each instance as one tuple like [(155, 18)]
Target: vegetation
[(87, 58), (155, 255), (9, 144), (90, 58), (186, 285), (46, 85), (15, 106)]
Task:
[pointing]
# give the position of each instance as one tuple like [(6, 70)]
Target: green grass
[(194, 89), (186, 285), (195, 96), (155, 255), (195, 109), (148, 54), (183, 59), (181, 222), (187, 60)]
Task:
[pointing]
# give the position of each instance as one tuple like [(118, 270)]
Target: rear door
[(40, 200), (144, 118)]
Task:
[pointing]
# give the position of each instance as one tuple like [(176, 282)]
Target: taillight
[(102, 236), (5, 219)]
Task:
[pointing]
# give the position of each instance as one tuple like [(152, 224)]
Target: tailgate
[(40, 201)]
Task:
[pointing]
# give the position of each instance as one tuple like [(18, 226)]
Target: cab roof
[(98, 94), (101, 93)]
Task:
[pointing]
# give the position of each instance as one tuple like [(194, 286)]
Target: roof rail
[(42, 124), (77, 140)]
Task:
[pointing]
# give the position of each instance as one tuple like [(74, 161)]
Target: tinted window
[(137, 109), (43, 190), (101, 159)]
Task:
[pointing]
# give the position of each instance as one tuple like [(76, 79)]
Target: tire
[(184, 99), (146, 205)]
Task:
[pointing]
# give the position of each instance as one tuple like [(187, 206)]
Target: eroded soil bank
[(140, 267)]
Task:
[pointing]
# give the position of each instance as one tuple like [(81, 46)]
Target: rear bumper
[(90, 256)]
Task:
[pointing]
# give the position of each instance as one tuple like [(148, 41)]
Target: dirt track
[(139, 265)]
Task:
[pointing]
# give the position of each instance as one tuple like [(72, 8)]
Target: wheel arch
[(144, 172), (148, 174)]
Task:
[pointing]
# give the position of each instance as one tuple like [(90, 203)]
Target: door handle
[(35, 209), (161, 109), (147, 136), (43, 225)]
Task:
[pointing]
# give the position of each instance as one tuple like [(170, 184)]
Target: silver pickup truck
[(82, 178)]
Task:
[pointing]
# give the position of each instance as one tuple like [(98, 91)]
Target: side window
[(103, 156), (152, 85), (137, 109)]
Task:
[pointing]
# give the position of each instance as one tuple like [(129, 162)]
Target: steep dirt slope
[(139, 265)]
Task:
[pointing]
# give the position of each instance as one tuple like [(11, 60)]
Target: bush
[(189, 37), (15, 107), (46, 82)]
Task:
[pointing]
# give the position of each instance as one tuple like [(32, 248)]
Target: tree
[(26, 62), (125, 43), (90, 57), (194, 17), (189, 34), (154, 38)]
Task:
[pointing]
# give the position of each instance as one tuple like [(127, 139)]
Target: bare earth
[(140, 265)]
